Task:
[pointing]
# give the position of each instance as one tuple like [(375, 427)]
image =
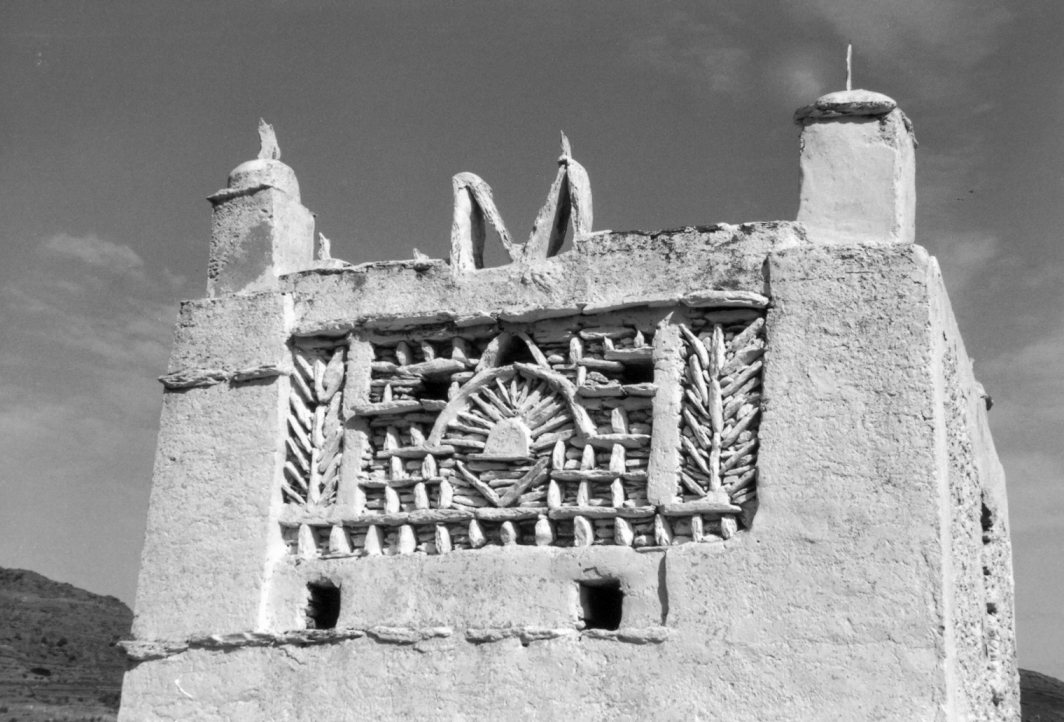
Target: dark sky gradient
[(118, 118)]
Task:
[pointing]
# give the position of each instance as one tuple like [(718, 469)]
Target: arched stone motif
[(569, 198), (473, 204), (479, 390)]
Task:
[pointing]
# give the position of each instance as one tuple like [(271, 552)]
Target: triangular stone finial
[(268, 148), (324, 246), (569, 198)]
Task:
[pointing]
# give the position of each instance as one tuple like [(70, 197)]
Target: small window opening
[(436, 389), (323, 607), (601, 603), (986, 519), (638, 374), (519, 352)]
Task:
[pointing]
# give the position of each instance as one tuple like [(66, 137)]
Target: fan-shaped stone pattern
[(515, 419), (314, 443)]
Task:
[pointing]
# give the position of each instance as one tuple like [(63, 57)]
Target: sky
[(119, 118)]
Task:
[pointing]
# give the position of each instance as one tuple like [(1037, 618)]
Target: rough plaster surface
[(664, 464), (840, 603), (210, 511), (979, 589), (257, 234), (495, 587), (597, 272), (230, 333), (858, 179)]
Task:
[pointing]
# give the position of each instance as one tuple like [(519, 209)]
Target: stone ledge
[(147, 650), (193, 378), (144, 650), (707, 299)]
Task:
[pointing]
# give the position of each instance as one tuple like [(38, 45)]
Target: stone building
[(730, 472)]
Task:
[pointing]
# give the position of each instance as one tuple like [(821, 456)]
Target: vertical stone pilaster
[(663, 469), (356, 430)]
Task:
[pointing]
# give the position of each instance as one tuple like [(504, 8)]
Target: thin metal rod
[(849, 66)]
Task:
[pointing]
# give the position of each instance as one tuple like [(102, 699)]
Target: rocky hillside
[(58, 659), (1041, 697)]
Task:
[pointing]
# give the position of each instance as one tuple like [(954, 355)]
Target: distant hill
[(1041, 697), (58, 659)]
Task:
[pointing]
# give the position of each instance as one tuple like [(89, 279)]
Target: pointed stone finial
[(268, 148), (324, 247), (567, 150), (849, 66)]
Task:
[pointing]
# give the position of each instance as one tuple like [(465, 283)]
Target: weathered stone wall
[(803, 509), (834, 605), (213, 488), (979, 591), (216, 494)]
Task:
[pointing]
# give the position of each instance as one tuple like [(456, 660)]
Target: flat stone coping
[(709, 299), (715, 299), (846, 103)]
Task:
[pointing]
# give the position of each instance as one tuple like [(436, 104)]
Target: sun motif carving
[(503, 423)]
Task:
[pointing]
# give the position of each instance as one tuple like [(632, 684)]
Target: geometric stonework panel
[(522, 433), (314, 445)]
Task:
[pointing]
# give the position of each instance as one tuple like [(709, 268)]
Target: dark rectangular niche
[(601, 604), (323, 605), (638, 374)]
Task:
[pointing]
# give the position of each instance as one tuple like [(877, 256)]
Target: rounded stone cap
[(846, 103), (265, 171)]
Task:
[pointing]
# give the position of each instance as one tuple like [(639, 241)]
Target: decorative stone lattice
[(315, 429), (535, 434)]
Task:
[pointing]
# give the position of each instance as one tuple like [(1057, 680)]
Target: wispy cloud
[(92, 296), (1036, 492), (699, 51), (952, 36), (964, 257), (932, 56), (1032, 372), (94, 251), (87, 328)]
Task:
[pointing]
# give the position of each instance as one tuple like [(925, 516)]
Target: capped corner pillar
[(259, 229), (858, 170)]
